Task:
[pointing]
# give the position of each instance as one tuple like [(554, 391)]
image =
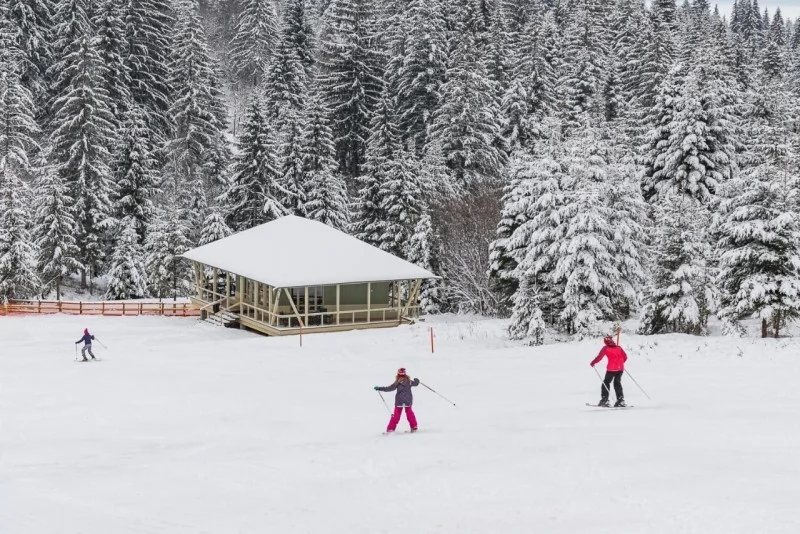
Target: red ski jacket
[(616, 358)]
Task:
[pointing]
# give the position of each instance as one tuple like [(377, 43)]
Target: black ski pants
[(616, 377)]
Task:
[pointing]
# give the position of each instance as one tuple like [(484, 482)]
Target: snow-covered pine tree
[(197, 150), (254, 38), (530, 94), (383, 145), (33, 20), (18, 278), (18, 128), (534, 239), (214, 228), (586, 265), (422, 250), (468, 123), (527, 320), (586, 68), (253, 193), (327, 195), (691, 148), (290, 66), (109, 41), (351, 78), (54, 232), (682, 294), (82, 133), (148, 24), (293, 181), (400, 197), (423, 69), (126, 277), (504, 254), (758, 231), (70, 23), (773, 60), (166, 241), (135, 172)]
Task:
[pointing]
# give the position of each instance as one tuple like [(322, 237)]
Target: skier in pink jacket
[(616, 366)]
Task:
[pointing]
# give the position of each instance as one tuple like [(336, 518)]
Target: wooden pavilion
[(295, 275)]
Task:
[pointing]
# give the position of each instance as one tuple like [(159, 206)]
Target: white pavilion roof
[(297, 252)]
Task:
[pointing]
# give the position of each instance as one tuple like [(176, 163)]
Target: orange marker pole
[(619, 330), (431, 340)]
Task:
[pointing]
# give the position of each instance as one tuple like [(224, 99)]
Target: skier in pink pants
[(403, 398)]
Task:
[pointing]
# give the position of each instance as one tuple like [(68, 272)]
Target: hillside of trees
[(567, 163)]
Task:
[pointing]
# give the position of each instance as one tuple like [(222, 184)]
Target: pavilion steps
[(223, 318)]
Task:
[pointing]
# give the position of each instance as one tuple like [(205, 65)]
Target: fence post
[(80, 307), (140, 308)]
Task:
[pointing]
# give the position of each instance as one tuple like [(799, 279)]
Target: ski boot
[(620, 403), (604, 403), (413, 430)]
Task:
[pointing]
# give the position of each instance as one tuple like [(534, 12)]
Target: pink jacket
[(616, 358)]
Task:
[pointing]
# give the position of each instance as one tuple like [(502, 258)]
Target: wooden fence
[(110, 308)]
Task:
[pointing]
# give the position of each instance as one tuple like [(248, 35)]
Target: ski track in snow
[(189, 428)]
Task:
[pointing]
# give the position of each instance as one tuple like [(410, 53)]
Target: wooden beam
[(294, 308), (227, 285), (269, 303)]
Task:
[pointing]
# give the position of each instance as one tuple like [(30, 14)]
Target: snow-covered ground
[(188, 428)]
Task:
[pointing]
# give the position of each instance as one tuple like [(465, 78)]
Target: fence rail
[(110, 308)]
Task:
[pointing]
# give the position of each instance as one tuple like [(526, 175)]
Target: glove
[(591, 364), (377, 388)]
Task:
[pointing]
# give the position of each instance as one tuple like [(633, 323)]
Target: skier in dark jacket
[(87, 344), (403, 398)]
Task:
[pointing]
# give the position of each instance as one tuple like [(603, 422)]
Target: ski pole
[(601, 381), (101, 343), (384, 403), (442, 396), (637, 384)]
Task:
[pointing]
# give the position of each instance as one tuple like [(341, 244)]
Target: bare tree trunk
[(764, 328)]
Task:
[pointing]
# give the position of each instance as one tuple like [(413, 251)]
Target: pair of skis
[(609, 407)]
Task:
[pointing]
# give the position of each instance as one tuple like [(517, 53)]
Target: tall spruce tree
[(467, 125), (135, 173), (198, 152), (253, 195), (111, 46), (81, 137), (292, 172), (126, 277), (33, 20), (758, 231), (422, 72), (18, 277), (148, 24), (254, 39), (327, 196), (54, 232), (166, 241), (351, 77)]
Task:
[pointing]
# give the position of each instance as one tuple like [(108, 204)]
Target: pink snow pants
[(398, 410)]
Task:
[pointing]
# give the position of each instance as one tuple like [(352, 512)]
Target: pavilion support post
[(227, 287), (214, 284), (305, 296), (294, 308), (256, 292), (275, 306), (369, 301), (399, 302), (338, 292), (269, 304)]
